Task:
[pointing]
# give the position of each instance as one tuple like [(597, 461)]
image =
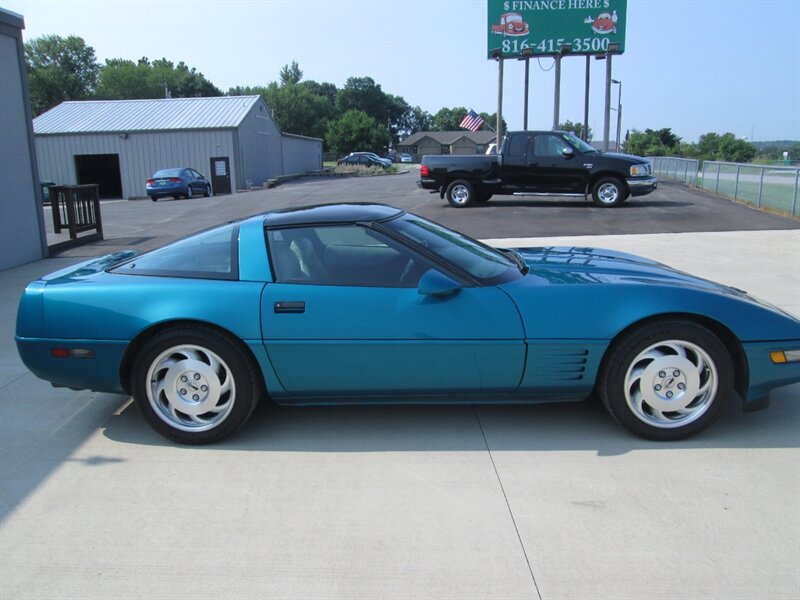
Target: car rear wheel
[(189, 192), (609, 191), (460, 193), (154, 198), (195, 385), (667, 380)]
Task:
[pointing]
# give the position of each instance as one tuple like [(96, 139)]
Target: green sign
[(535, 27)]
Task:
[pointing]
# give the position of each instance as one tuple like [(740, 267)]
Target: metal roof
[(113, 116), (449, 137)]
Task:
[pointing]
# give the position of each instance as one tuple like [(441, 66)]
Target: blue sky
[(694, 66)]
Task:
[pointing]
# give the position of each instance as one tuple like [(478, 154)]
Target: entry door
[(220, 175)]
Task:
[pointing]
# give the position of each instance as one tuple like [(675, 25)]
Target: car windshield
[(480, 261), (579, 143), (168, 173)]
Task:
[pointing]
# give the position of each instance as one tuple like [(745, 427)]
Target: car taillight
[(175, 179), (151, 181), (424, 171)]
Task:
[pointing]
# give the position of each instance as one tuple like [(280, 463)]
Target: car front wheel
[(207, 191), (667, 380), (609, 191), (460, 193), (195, 385)]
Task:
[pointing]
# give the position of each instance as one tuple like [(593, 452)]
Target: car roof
[(326, 214)]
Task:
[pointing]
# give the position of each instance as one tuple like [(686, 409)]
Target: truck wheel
[(460, 193), (483, 198), (609, 191)]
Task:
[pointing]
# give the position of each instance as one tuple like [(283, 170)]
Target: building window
[(445, 149)]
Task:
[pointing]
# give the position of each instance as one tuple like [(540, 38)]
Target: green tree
[(652, 142), (297, 110), (725, 147), (123, 79), (356, 130), (291, 73), (576, 128), (59, 69), (362, 93)]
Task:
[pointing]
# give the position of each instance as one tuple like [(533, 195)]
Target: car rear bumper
[(639, 186)]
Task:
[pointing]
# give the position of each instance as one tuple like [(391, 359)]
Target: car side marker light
[(72, 352), (787, 356)]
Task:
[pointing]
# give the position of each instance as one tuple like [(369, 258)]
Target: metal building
[(233, 140), (22, 234)]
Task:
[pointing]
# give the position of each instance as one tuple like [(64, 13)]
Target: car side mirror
[(439, 285), (568, 152)]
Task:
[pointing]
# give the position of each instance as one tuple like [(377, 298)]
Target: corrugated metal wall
[(301, 154), (140, 154), (259, 148), (22, 236)]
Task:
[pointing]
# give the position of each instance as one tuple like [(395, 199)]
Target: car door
[(344, 317), (554, 166)]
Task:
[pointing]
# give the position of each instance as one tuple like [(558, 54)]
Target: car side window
[(343, 255), (208, 255), (549, 145)]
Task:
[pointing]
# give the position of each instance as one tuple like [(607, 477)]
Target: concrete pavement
[(553, 502)]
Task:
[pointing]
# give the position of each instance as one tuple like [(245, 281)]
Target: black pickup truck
[(538, 162)]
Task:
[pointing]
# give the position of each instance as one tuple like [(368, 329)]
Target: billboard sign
[(543, 27)]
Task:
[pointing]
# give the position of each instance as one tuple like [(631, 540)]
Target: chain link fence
[(760, 186)]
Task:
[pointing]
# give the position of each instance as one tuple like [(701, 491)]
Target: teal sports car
[(366, 303)]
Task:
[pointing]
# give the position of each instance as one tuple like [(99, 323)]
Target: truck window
[(518, 145), (549, 145)]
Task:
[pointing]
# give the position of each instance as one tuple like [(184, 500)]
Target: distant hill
[(775, 144)]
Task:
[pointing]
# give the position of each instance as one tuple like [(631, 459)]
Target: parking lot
[(490, 502)]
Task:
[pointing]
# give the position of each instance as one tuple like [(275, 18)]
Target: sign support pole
[(527, 80), (607, 120), (585, 135), (557, 95), (499, 102)]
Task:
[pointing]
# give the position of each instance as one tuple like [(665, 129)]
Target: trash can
[(46, 191)]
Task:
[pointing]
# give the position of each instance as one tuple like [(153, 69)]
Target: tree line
[(359, 115)]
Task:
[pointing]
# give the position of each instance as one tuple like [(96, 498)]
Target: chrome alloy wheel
[(460, 194), (671, 384), (608, 193), (190, 388)]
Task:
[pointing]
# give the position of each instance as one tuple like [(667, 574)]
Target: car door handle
[(297, 307)]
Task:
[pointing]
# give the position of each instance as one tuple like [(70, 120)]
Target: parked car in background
[(365, 303), (365, 159), (180, 182), (406, 158)]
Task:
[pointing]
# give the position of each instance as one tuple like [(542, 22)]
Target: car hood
[(582, 265), (578, 292), (629, 157)]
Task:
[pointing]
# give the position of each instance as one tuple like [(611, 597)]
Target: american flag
[(472, 121)]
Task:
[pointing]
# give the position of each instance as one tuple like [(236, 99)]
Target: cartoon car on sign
[(603, 23), (511, 24)]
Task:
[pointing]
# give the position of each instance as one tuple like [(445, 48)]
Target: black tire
[(189, 192), (154, 198), (483, 198), (667, 380), (207, 191), (195, 385), (608, 192), (460, 193)]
